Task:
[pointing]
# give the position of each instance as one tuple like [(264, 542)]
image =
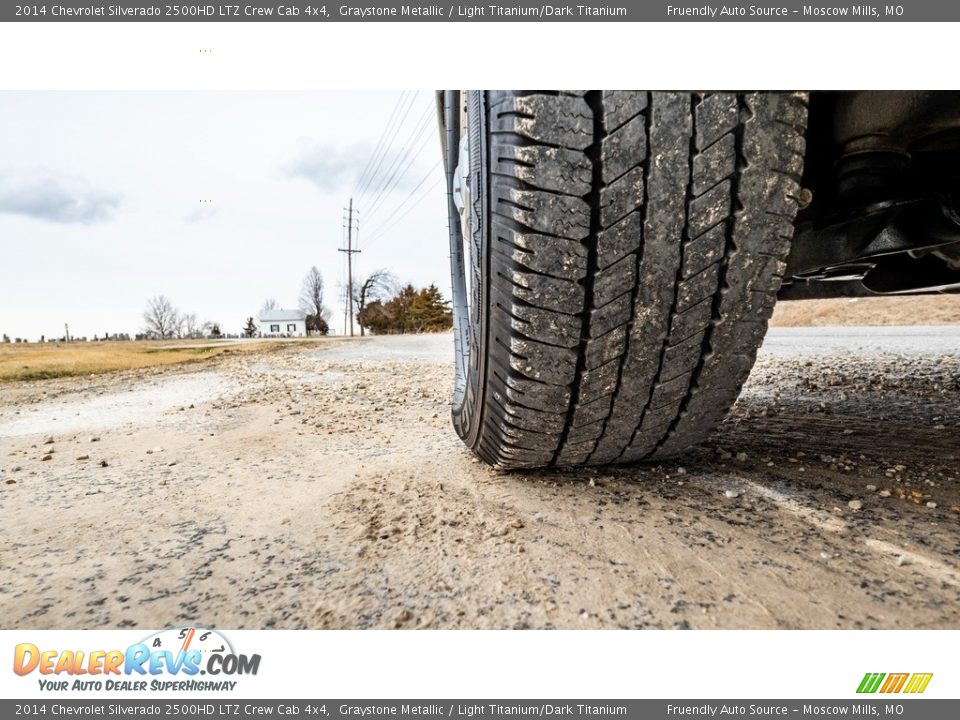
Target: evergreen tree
[(409, 311), (429, 312), (317, 324)]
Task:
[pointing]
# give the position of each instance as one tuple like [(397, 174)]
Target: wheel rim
[(464, 166), (464, 205), (454, 127)]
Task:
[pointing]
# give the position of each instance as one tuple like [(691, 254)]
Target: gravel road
[(325, 488), (840, 340)]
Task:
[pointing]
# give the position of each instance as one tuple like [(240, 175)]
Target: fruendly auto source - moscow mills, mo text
[(773, 11)]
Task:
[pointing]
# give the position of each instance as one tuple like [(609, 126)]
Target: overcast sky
[(101, 203)]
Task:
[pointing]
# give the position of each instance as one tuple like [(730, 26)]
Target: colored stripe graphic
[(870, 682), (918, 682), (894, 683)]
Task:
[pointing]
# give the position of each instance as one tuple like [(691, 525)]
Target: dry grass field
[(38, 361), (912, 310)]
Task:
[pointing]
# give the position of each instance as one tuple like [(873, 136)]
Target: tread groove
[(685, 239), (594, 152)]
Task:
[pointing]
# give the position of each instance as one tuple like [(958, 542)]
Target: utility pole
[(350, 253)]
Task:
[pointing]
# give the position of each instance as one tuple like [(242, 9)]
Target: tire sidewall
[(468, 403)]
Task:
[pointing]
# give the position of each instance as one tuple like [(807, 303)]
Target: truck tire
[(623, 255)]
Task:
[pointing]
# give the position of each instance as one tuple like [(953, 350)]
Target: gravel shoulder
[(326, 489)]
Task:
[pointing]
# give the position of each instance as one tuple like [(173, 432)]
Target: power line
[(409, 209), (386, 150), (405, 200), (414, 146), (361, 181), (413, 152)]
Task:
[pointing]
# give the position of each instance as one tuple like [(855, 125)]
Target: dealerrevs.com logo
[(170, 660), (894, 682)]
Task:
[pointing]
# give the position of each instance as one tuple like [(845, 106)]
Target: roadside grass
[(939, 309), (40, 361)]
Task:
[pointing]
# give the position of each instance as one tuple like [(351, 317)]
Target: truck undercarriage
[(880, 198)]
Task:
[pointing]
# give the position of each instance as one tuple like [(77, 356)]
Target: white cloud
[(43, 195), (329, 168)]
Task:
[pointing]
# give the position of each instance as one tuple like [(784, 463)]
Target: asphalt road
[(326, 489)]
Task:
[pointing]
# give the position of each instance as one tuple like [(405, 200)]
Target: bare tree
[(162, 318), (311, 301), (192, 327), (269, 304), (378, 285)]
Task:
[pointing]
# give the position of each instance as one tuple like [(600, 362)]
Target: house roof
[(281, 315)]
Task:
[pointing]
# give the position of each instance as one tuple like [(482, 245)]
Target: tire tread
[(637, 243)]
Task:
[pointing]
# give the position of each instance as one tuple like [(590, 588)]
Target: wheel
[(616, 257)]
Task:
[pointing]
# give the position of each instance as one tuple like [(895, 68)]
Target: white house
[(283, 323)]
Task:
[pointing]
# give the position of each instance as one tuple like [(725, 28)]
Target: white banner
[(503, 664)]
